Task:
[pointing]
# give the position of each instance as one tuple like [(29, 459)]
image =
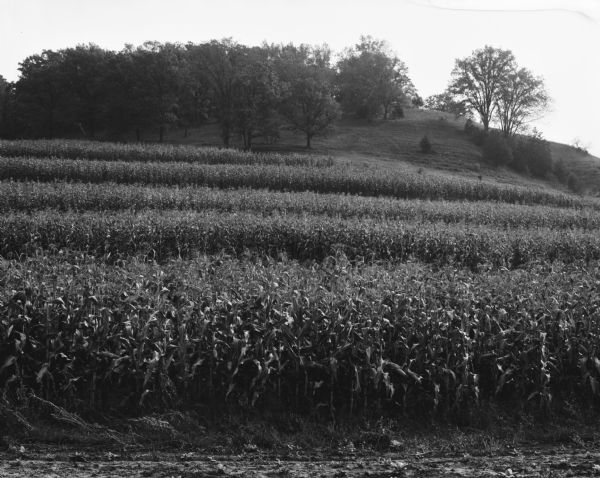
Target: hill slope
[(395, 144)]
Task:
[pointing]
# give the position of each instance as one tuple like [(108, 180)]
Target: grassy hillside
[(584, 166), (394, 144)]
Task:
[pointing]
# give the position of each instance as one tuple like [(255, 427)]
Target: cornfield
[(68, 196), (352, 181), (166, 234), (136, 279), (335, 337), (70, 149)]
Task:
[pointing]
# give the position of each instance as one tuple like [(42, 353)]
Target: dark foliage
[(573, 183), (398, 112), (532, 154), (477, 135), (560, 171), (470, 126), (496, 150), (425, 145), (418, 102)]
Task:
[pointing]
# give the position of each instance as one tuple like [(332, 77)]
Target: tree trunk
[(138, 135), (161, 133), (50, 126), (4, 116), (92, 127), (225, 133), (82, 129), (247, 138), (308, 138)]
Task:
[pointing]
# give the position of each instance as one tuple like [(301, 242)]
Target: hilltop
[(394, 144)]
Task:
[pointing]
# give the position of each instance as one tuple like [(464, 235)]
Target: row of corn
[(339, 180), (337, 339)]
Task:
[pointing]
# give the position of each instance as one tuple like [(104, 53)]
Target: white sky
[(557, 39)]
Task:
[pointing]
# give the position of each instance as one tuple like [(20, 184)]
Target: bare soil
[(530, 461)]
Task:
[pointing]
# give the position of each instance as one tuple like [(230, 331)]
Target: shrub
[(560, 171), (573, 183), (479, 137), (398, 112), (496, 150), (579, 146), (418, 102), (519, 162), (470, 126), (425, 144), (534, 154)]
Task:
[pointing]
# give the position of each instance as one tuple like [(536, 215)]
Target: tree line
[(251, 92)]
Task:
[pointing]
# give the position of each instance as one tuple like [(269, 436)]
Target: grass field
[(142, 279)]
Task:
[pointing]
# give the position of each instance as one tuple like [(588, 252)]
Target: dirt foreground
[(525, 462)]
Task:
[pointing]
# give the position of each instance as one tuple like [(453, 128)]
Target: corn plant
[(221, 332), (72, 149), (351, 181), (66, 196)]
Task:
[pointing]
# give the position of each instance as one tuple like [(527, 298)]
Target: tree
[(417, 101), (521, 97), (219, 62), (40, 92), (156, 69), (84, 69), (580, 146), (307, 79), (195, 96), (255, 94), (372, 80), (477, 80), (122, 111), (446, 103), (5, 91)]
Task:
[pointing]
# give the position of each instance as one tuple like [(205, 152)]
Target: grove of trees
[(250, 92)]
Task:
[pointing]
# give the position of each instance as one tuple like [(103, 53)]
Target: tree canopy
[(446, 103), (521, 96), (490, 84), (4, 104), (477, 80), (371, 80), (308, 78)]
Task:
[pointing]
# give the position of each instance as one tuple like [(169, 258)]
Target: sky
[(556, 39)]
